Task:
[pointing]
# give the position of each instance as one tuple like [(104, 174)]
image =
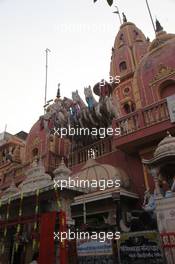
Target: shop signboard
[(94, 251), (140, 248)]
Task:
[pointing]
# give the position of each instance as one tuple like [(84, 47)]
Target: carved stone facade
[(162, 167)]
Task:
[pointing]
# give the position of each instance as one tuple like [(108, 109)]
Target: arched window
[(35, 152), (126, 91), (129, 107), (123, 66), (121, 36)]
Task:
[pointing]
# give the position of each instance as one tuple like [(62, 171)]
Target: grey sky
[(79, 34)]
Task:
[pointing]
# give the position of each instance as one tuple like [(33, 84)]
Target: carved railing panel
[(156, 113), (143, 118), (97, 149), (128, 124)]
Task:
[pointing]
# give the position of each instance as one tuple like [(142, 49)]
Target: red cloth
[(46, 254)]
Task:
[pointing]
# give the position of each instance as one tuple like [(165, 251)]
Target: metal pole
[(45, 97), (118, 13), (13, 253), (149, 10), (84, 210)]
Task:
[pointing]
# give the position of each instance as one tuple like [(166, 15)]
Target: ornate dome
[(12, 190), (36, 178), (93, 170), (128, 35), (154, 78), (62, 172), (36, 141), (161, 38), (165, 148)]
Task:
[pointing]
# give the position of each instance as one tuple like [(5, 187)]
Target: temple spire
[(158, 26), (58, 91), (124, 18)]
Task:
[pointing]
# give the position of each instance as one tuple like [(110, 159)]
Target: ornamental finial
[(124, 18), (158, 26), (58, 91)]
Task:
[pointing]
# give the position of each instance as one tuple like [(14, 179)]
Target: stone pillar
[(155, 174)]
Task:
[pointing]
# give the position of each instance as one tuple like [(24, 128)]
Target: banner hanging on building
[(94, 251), (140, 247), (94, 247), (171, 107)]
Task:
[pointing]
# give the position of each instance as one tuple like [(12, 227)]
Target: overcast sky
[(79, 34)]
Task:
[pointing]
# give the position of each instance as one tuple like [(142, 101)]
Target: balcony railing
[(98, 149), (146, 117), (143, 118)]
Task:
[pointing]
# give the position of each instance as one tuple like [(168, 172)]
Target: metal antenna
[(45, 97), (149, 10), (118, 13)]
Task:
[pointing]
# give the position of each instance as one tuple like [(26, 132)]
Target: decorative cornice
[(163, 72)]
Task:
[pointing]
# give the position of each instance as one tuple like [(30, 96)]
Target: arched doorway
[(167, 172)]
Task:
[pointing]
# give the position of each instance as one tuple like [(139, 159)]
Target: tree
[(110, 2)]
